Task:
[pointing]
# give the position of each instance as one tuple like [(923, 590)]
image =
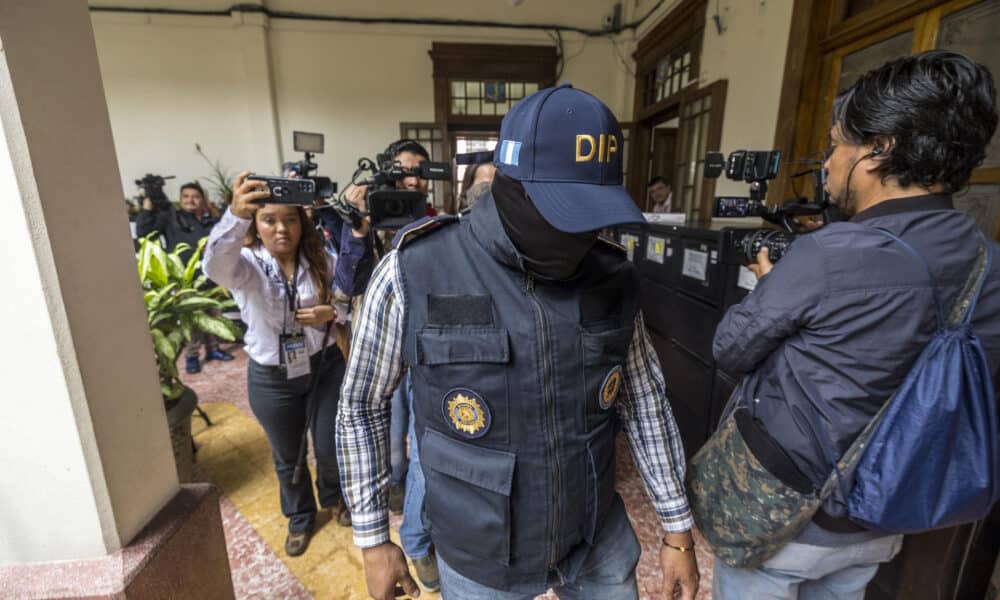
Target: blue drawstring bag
[(933, 458)]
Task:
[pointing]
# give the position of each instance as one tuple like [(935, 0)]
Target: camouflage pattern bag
[(744, 512)]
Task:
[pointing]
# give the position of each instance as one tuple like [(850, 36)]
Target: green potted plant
[(179, 300), (219, 179)]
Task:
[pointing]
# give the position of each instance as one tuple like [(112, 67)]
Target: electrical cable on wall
[(292, 15), (621, 58)]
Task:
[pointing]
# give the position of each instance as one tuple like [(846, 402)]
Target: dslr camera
[(388, 207), (304, 188), (151, 186), (757, 167)]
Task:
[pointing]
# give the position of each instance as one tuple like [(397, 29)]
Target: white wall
[(174, 80), (750, 55), (171, 85)]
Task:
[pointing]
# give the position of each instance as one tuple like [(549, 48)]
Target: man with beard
[(527, 352), (832, 330)]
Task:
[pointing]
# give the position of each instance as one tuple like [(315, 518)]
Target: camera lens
[(393, 208)]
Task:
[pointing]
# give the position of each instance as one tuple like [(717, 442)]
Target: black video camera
[(151, 187), (757, 168), (303, 189), (388, 207)]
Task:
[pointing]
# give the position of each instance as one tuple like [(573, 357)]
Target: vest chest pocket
[(467, 505), (604, 356), (462, 374)]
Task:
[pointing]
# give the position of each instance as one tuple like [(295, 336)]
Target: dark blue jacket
[(508, 371), (833, 330)]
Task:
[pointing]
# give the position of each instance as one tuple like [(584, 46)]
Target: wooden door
[(971, 27), (663, 157)]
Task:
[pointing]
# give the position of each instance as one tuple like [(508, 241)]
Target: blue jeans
[(807, 572), (416, 541), (607, 571), (399, 420)]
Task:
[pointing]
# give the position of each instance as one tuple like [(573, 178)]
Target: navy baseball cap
[(565, 147)]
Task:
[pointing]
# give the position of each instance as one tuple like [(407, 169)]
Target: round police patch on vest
[(609, 389), (467, 413)]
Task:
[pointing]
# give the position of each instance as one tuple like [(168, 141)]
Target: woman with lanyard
[(274, 262)]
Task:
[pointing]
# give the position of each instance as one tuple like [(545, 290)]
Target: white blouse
[(258, 286)]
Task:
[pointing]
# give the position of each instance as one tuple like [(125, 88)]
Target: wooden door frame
[(818, 26), (684, 25), (505, 62)]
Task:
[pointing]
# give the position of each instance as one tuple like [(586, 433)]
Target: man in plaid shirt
[(527, 353)]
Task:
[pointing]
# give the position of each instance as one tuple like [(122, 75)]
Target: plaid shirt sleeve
[(652, 433), (373, 373)]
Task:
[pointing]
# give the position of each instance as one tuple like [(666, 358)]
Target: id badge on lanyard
[(293, 353)]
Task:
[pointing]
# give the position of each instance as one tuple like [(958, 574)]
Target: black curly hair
[(937, 107)]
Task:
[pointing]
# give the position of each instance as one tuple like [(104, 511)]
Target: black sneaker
[(397, 493), (427, 572)]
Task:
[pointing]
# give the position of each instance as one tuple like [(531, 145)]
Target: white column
[(252, 28), (86, 455)]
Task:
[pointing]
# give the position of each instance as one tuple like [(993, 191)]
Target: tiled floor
[(259, 573)]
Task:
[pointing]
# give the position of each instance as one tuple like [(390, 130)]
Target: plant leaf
[(194, 262), (158, 318), (175, 266), (219, 327), (158, 273), (144, 254), (166, 350), (176, 338), (185, 324), (158, 297), (196, 303)]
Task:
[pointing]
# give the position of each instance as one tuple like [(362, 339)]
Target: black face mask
[(547, 252)]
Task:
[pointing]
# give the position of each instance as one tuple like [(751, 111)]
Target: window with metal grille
[(671, 75), (489, 98)]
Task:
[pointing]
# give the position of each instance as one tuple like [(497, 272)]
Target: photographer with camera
[(187, 225), (408, 155), (406, 481), (831, 332), (272, 259)]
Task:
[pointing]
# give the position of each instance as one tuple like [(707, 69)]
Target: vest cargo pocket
[(467, 503), (460, 382), (604, 356), (600, 480)]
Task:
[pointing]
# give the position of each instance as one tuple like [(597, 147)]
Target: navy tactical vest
[(514, 385)]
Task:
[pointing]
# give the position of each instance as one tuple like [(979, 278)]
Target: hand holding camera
[(247, 194)]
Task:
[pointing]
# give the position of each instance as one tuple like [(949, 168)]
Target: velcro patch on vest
[(467, 413), (601, 304), (609, 389), (459, 310)]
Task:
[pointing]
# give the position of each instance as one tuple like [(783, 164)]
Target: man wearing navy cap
[(527, 353)]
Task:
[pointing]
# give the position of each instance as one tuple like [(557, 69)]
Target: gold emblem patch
[(609, 389), (467, 413)]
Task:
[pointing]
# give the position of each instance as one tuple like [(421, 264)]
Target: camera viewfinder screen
[(307, 142), (731, 207)]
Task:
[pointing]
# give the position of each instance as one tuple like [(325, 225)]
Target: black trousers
[(280, 405)]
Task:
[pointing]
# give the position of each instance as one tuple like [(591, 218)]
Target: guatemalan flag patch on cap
[(509, 151)]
